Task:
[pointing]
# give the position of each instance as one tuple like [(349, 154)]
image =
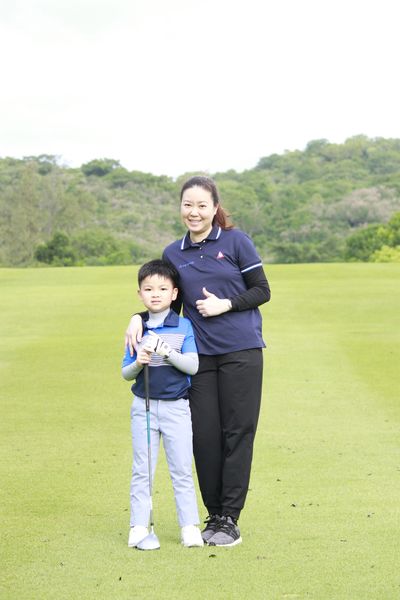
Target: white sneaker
[(191, 536), (136, 535)]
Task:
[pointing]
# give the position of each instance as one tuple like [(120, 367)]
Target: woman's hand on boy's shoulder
[(134, 332)]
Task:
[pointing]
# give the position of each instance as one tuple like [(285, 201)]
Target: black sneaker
[(227, 534), (211, 527)]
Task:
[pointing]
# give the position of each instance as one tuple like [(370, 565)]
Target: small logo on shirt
[(220, 255)]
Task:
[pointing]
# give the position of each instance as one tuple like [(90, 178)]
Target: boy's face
[(157, 293)]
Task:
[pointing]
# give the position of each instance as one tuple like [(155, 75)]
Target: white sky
[(170, 86)]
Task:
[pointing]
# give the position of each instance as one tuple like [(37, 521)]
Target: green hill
[(301, 206)]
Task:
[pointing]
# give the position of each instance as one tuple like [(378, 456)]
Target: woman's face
[(197, 212)]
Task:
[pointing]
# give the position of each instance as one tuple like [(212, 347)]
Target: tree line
[(329, 202)]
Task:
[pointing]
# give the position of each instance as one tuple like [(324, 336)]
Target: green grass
[(322, 515)]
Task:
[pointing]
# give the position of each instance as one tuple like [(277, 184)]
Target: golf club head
[(150, 542)]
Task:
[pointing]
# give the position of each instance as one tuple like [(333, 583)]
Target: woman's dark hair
[(221, 218), (161, 268)]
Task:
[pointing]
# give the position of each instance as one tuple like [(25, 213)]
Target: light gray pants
[(171, 420)]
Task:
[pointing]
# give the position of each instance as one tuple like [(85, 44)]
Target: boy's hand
[(150, 342), (159, 346), (143, 356)]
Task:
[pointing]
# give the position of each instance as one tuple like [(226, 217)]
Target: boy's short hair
[(159, 267)]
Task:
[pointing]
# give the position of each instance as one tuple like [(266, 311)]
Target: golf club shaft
[(147, 394)]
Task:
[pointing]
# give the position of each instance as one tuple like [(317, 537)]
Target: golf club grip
[(146, 385)]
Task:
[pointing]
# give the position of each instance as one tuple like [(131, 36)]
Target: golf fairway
[(322, 515)]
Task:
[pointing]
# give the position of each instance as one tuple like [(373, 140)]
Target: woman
[(222, 283)]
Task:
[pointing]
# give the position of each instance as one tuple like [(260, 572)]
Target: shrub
[(386, 254)]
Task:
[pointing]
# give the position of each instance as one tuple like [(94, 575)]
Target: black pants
[(225, 403)]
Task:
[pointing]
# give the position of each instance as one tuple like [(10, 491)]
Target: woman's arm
[(257, 293), (134, 332)]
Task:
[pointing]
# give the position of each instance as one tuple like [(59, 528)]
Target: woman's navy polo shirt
[(217, 263)]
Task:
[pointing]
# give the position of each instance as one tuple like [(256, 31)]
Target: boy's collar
[(171, 320)]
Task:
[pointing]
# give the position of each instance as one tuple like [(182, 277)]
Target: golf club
[(150, 542)]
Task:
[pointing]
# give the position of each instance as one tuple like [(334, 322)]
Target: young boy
[(168, 347)]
